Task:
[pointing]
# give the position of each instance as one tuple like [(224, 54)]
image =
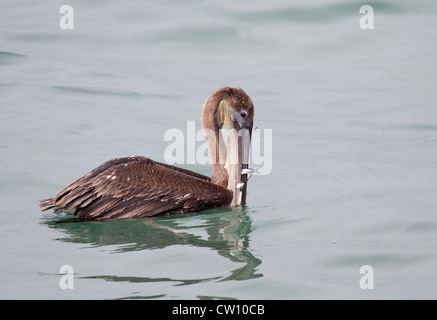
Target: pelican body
[(138, 187)]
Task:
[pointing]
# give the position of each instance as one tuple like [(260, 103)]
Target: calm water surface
[(354, 165)]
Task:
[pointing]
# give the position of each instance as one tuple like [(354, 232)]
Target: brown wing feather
[(136, 187)]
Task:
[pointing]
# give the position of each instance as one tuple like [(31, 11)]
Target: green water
[(354, 137)]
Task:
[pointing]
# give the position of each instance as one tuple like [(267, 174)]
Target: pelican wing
[(136, 187)]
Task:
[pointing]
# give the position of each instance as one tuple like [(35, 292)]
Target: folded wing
[(136, 187)]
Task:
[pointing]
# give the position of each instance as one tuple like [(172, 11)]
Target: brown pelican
[(137, 187)]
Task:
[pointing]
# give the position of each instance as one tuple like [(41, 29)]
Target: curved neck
[(214, 138)]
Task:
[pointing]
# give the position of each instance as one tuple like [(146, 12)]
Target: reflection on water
[(227, 233)]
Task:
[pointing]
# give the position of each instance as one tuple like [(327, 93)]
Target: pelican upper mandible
[(137, 187)]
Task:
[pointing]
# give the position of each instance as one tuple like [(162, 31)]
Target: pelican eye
[(243, 113)]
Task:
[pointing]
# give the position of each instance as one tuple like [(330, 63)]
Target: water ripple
[(385, 259), (320, 14), (110, 92), (10, 58)]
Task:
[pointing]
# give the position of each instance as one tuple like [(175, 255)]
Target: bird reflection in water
[(227, 233)]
